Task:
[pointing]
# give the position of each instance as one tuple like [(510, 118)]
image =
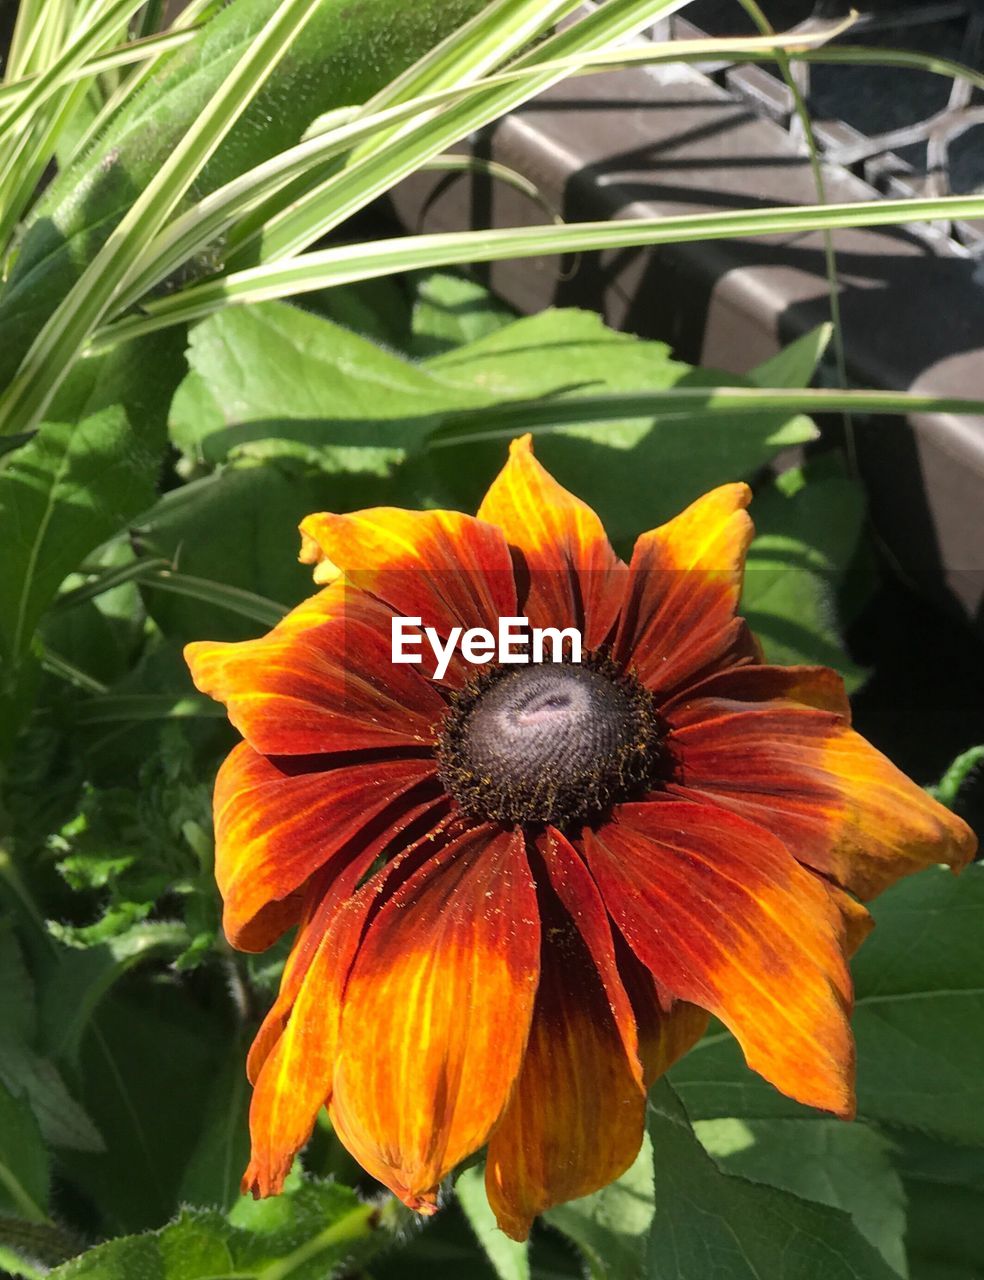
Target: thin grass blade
[(347, 264)]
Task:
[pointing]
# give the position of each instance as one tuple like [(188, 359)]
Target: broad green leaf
[(944, 1184), (24, 1072), (215, 1167), (278, 373), (147, 1058), (88, 470), (846, 1166), (99, 620), (919, 1157), (808, 527), (17, 1012), (239, 528), (635, 473), (23, 1160), (79, 981), (709, 1223), (62, 1120), (796, 364), (611, 1227), (918, 1020), (919, 1017), (450, 310), (312, 1233), (509, 1258)]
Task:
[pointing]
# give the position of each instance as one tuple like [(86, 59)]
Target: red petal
[(436, 1014), (836, 803), (667, 1028), (856, 921), (322, 681), (577, 891), (274, 830), (725, 918), (684, 583), (575, 578), (294, 1064), (816, 687), (296, 1075), (325, 896), (575, 1119), (443, 567)]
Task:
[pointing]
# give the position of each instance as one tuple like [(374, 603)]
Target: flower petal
[(572, 883), (323, 680), (817, 687), (436, 1014), (275, 828), (575, 1119), (443, 567), (324, 897), (293, 1064), (574, 577), (836, 802), (684, 583), (855, 918), (296, 1075), (725, 918), (667, 1028)]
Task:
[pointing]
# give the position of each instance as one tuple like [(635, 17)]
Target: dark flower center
[(551, 742)]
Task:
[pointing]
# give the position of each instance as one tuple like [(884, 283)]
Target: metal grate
[(904, 132)]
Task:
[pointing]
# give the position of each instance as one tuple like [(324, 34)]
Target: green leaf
[(239, 528), (24, 1072), (311, 1233), (611, 1227), (709, 1223), (635, 473), (509, 1258), (215, 1167), (808, 528), (944, 1184), (846, 1166), (275, 372), (147, 1056), (797, 363), (17, 1013), (451, 310), (918, 1020), (87, 471), (23, 1160), (62, 1120)]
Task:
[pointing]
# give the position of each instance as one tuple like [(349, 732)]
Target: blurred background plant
[(208, 330)]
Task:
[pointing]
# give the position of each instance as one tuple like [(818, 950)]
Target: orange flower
[(520, 893)]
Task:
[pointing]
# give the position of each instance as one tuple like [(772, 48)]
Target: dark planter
[(670, 139)]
